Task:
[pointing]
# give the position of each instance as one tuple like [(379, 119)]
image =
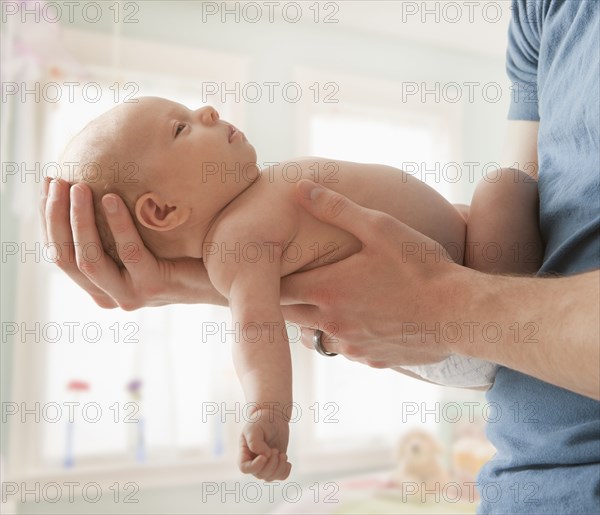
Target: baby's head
[(174, 168)]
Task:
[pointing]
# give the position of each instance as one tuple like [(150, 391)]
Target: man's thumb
[(335, 209)]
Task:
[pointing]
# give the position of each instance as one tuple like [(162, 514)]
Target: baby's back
[(266, 218)]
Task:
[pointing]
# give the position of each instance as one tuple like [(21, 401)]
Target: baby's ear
[(154, 213)]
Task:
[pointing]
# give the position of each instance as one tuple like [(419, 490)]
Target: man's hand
[(377, 305), (401, 301), (68, 223), (263, 446)]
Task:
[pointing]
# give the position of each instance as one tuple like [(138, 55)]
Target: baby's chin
[(166, 246), (253, 157), (170, 251)]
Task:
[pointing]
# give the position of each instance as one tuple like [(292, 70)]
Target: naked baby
[(194, 189)]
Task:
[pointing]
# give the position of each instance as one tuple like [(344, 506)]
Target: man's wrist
[(493, 315), (468, 321)]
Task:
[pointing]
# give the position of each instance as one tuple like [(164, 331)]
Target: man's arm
[(545, 327), (549, 326)]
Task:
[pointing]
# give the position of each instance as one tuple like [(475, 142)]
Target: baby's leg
[(503, 235)]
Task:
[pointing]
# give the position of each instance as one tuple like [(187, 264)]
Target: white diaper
[(458, 371)]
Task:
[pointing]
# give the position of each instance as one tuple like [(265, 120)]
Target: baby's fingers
[(251, 462), (283, 468), (254, 466), (268, 471), (254, 439)]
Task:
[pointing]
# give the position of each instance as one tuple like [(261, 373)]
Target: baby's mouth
[(233, 131)]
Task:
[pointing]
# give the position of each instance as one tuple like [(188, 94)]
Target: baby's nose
[(208, 114)]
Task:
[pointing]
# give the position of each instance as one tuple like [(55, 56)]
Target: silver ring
[(318, 344)]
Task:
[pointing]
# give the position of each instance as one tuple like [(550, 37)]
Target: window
[(416, 144), (370, 127), (181, 361)]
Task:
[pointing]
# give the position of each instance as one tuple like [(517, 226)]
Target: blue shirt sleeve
[(522, 59)]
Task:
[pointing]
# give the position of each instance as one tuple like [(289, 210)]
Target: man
[(548, 437)]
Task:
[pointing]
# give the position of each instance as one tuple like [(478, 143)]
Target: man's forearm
[(544, 327)]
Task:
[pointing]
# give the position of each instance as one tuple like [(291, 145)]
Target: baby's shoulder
[(249, 235), (288, 173), (265, 212)]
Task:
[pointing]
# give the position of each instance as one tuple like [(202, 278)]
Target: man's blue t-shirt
[(548, 438)]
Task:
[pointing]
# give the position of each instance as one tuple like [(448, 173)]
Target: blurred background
[(105, 411)]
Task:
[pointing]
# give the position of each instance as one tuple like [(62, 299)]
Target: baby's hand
[(263, 446)]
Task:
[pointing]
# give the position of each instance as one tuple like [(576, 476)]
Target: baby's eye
[(180, 127)]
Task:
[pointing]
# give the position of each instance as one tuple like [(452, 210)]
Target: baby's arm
[(261, 354)]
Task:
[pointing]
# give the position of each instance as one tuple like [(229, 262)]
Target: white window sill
[(187, 472)]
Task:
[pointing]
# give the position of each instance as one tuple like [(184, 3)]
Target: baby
[(193, 186)]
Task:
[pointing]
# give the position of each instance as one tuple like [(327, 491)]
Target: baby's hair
[(99, 189), (94, 157)]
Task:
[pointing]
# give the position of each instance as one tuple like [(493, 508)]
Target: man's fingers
[(307, 337), (315, 286), (58, 225), (98, 266), (103, 300), (305, 315), (132, 251), (328, 343), (372, 228), (58, 228), (43, 201), (295, 287), (335, 209)]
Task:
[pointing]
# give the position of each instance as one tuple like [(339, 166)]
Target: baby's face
[(197, 161)]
